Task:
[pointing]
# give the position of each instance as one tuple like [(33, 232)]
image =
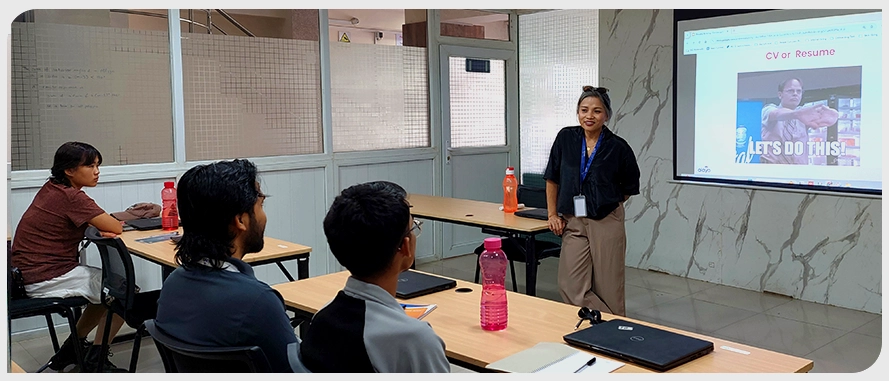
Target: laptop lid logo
[(637, 338)]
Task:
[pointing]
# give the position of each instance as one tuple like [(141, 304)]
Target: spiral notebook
[(549, 357)]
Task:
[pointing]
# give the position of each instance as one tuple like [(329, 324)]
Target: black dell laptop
[(412, 284), (535, 213), (640, 344)]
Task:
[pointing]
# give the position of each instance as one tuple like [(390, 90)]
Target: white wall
[(824, 249)]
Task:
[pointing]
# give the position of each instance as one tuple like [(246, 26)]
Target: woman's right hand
[(556, 224)]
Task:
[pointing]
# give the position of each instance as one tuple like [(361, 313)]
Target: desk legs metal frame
[(530, 256), (302, 269), (284, 270), (302, 318), (531, 262), (530, 266)]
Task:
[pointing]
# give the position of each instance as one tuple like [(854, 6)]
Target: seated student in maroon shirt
[(45, 247)]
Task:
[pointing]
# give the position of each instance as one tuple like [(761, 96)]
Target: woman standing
[(45, 249), (590, 173)]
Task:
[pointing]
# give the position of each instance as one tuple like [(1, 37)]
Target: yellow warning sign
[(344, 37)]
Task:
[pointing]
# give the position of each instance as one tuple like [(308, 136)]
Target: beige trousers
[(592, 262)]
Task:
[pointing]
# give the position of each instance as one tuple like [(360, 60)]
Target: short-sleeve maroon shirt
[(46, 239)]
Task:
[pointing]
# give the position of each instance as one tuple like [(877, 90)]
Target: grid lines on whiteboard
[(109, 87), (250, 96), (379, 97), (558, 55)]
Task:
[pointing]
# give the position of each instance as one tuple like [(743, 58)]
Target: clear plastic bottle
[(169, 213), (510, 191), (493, 310)]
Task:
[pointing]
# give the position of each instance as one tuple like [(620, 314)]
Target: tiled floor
[(838, 340)]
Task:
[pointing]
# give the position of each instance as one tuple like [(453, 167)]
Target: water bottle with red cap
[(169, 212), (492, 263), (510, 191)]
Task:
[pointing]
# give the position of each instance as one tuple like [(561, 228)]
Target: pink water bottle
[(493, 264), (169, 213)]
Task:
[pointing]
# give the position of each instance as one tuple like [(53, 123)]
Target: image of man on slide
[(789, 122)]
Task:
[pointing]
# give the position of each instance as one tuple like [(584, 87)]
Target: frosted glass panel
[(478, 104), (109, 87), (380, 97), (250, 96), (558, 55)]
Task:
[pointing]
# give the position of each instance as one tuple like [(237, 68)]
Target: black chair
[(68, 308), (295, 359), (180, 357), (546, 245), (119, 292), (21, 307)]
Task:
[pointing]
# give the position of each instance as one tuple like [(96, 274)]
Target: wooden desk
[(15, 368), (274, 251), (487, 216), (531, 320)]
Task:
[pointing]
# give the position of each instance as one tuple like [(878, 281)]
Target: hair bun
[(600, 90)]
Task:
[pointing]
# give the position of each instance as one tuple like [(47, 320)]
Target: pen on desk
[(588, 364)]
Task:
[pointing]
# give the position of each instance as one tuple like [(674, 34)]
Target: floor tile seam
[(826, 344), (817, 324), (738, 307), (702, 330)]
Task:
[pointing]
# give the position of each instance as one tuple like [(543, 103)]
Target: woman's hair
[(72, 155), (598, 92)]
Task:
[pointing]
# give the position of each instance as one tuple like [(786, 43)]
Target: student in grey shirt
[(364, 329)]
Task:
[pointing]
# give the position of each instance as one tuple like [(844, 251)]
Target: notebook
[(412, 284), (640, 344), (548, 357), (536, 213), (145, 223)]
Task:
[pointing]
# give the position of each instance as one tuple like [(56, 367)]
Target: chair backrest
[(16, 284), (180, 357), (533, 197), (295, 359), (118, 274)]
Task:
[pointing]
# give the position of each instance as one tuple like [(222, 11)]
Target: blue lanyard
[(584, 164)]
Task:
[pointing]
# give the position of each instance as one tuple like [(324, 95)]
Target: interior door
[(479, 103)]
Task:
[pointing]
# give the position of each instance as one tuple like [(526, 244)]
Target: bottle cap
[(492, 243), (169, 184), (510, 170)]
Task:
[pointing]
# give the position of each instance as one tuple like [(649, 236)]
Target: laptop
[(146, 223), (640, 344), (412, 284), (535, 213)]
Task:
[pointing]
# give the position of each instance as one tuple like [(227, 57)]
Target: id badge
[(579, 206)]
